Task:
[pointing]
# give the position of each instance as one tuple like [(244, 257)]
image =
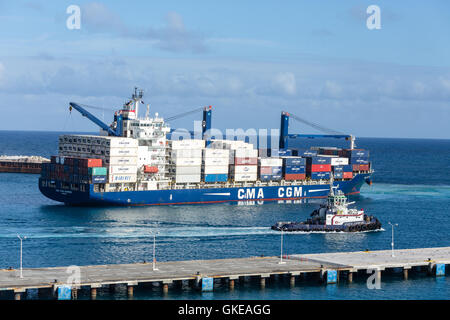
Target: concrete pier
[(230, 270)]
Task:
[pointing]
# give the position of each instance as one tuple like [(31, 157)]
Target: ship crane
[(206, 123), (328, 133), (117, 131)]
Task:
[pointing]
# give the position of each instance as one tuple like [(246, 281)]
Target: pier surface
[(231, 269)]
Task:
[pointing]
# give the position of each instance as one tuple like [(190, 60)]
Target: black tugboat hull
[(371, 225)]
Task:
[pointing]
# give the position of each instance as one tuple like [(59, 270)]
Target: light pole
[(21, 239), (392, 243), (154, 252), (281, 249)]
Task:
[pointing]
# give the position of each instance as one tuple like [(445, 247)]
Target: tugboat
[(334, 216)]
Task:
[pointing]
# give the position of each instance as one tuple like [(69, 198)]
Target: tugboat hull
[(371, 224)]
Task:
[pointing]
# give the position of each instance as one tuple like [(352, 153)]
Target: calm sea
[(411, 187)]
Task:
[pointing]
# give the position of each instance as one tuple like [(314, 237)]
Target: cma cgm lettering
[(289, 192), (250, 193)]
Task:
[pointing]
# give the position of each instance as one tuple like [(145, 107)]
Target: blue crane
[(285, 135), (117, 132)]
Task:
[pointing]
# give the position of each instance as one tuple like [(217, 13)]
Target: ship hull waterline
[(258, 194)]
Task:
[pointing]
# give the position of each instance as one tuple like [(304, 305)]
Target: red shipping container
[(246, 161), (266, 170), (91, 163), (320, 167), (347, 175), (361, 167), (295, 176), (149, 169)]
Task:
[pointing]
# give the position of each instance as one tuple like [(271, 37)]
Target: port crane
[(328, 133)]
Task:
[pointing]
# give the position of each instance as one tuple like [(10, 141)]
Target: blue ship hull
[(259, 194)]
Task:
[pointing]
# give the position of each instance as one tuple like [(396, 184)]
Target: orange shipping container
[(320, 167), (347, 175), (295, 176)]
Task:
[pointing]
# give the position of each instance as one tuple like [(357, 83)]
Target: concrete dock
[(431, 260)]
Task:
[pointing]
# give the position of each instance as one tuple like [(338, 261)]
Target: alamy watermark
[(374, 20), (73, 22)]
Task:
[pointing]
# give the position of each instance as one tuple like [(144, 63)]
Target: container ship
[(136, 161), (22, 164)]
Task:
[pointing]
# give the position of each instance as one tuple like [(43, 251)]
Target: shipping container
[(188, 162), (123, 169), (338, 175), (320, 175), (184, 178), (265, 170), (122, 178), (320, 168), (270, 177), (294, 169), (118, 142), (187, 170), (294, 161), (245, 161), (246, 153), (241, 177), (244, 169), (318, 160), (215, 177), (310, 153), (270, 162), (347, 175), (99, 179), (295, 176), (122, 152), (339, 161), (355, 153), (216, 153), (361, 167), (122, 161), (187, 144), (359, 160), (215, 169), (216, 161), (277, 170), (98, 171), (186, 153)]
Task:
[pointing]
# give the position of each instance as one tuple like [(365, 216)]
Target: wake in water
[(384, 191)]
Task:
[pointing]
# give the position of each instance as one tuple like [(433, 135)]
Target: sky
[(249, 59)]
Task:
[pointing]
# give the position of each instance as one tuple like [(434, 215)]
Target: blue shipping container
[(359, 160), (294, 161), (276, 170), (338, 175), (294, 169), (270, 177), (216, 177), (319, 160), (359, 153), (310, 153), (320, 175), (338, 169)]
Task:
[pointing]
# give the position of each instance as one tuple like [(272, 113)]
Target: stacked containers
[(318, 167), (215, 165), (186, 160), (359, 159), (343, 171), (337, 166), (294, 168), (244, 165), (121, 154), (270, 169), (75, 170)]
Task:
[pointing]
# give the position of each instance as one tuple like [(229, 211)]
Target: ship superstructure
[(133, 162)]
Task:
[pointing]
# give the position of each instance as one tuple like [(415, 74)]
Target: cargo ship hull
[(258, 194)]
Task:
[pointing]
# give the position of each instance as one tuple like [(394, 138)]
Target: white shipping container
[(185, 178), (187, 170), (122, 178), (123, 152), (122, 161), (271, 162), (339, 161), (244, 169), (245, 177), (246, 153), (216, 153), (123, 169), (122, 143), (188, 161), (187, 144), (216, 161), (186, 153), (215, 169)]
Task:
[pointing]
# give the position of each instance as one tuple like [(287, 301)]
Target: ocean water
[(411, 187)]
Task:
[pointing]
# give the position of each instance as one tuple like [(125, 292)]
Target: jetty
[(201, 274)]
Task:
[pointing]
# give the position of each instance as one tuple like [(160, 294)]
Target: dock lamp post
[(392, 243), (154, 251), (21, 239), (281, 249)]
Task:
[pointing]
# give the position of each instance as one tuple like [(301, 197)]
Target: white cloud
[(286, 83)]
